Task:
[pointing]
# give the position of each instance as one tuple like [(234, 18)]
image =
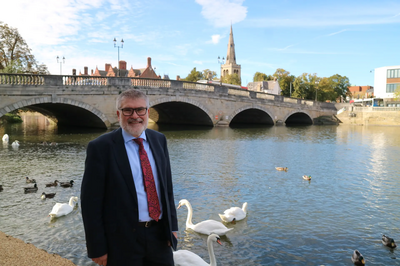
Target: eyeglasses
[(141, 111)]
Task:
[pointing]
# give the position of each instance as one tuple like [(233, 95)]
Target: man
[(126, 222)]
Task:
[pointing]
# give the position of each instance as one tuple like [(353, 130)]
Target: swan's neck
[(213, 261), (244, 208), (72, 203), (190, 214)]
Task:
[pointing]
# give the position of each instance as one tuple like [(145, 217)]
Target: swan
[(205, 227), (60, 209), (388, 241), (281, 168), (306, 177), (15, 143), (234, 214), (5, 138), (186, 257), (357, 258)]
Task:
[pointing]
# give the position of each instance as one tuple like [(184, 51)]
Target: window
[(393, 73), (390, 88)]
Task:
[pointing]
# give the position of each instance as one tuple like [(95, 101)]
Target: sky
[(349, 38)]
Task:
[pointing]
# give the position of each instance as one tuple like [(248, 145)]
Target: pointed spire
[(231, 56)]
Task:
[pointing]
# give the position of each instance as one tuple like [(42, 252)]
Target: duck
[(306, 177), (388, 241), (30, 180), (67, 184), (54, 184), (357, 258), (47, 196), (186, 257), (206, 227), (61, 209), (31, 189), (234, 214), (281, 169), (5, 138), (15, 143), (53, 144)]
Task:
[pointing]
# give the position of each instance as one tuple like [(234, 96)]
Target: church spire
[(231, 56)]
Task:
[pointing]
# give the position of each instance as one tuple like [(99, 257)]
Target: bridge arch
[(252, 115), (64, 110), (180, 110), (298, 117)]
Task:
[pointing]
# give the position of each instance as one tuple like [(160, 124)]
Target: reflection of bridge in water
[(87, 101)]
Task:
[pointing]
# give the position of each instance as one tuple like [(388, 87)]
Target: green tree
[(258, 76), (209, 75), (232, 79), (396, 93), (194, 76), (15, 54), (305, 86), (284, 79), (340, 87)]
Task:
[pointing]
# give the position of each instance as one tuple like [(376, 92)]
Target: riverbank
[(14, 251)]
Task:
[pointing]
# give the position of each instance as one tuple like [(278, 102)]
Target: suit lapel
[(122, 160)]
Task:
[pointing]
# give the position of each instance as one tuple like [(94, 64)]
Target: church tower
[(230, 67)]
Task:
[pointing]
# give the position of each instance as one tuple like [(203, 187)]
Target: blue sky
[(349, 38)]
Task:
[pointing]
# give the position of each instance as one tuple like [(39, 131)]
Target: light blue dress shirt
[(132, 149)]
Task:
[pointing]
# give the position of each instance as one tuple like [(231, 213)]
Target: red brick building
[(359, 92)]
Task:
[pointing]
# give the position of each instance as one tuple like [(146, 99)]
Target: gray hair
[(132, 94)]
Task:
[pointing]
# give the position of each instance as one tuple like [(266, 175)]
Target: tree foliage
[(15, 54), (232, 79), (194, 76), (209, 75), (258, 76), (284, 79)]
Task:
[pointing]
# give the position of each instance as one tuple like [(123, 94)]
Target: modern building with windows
[(386, 81)]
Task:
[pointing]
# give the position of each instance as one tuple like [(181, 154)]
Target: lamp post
[(122, 46), (316, 90), (61, 62), (221, 62)]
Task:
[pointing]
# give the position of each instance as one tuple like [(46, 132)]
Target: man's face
[(133, 124)]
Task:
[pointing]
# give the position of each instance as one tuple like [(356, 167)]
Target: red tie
[(150, 186)]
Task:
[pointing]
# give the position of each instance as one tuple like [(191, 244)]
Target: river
[(351, 200)]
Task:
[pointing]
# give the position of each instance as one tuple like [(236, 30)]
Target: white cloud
[(198, 62), (215, 39), (222, 13)]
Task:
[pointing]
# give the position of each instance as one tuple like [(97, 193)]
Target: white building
[(386, 80), (270, 86)]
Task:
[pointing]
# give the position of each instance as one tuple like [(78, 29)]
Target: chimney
[(74, 72), (92, 72), (107, 67), (148, 61), (178, 78), (86, 71), (122, 65)]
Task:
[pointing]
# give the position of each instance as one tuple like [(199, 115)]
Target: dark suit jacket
[(108, 195)]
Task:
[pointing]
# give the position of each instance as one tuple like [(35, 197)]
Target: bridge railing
[(21, 79)]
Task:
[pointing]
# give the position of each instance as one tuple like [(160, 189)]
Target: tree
[(194, 76), (305, 86), (15, 54), (258, 76), (208, 74), (340, 87), (284, 79), (396, 93), (232, 79)]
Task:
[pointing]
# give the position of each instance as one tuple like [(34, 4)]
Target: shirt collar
[(128, 137)]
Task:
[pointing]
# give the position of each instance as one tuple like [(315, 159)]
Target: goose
[(54, 184), (281, 168), (31, 189), (206, 227), (306, 177), (357, 258), (67, 184), (388, 241), (30, 180), (234, 214), (61, 209), (15, 143), (47, 196), (5, 138), (186, 257)]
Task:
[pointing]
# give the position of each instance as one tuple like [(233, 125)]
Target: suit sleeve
[(92, 195), (170, 190)]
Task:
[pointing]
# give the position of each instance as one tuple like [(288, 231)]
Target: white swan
[(5, 138), (186, 257), (234, 214), (61, 209), (206, 227), (15, 143)]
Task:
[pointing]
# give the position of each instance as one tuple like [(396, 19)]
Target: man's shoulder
[(153, 133), (107, 136)]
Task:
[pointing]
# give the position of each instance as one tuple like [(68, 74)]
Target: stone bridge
[(86, 101)]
